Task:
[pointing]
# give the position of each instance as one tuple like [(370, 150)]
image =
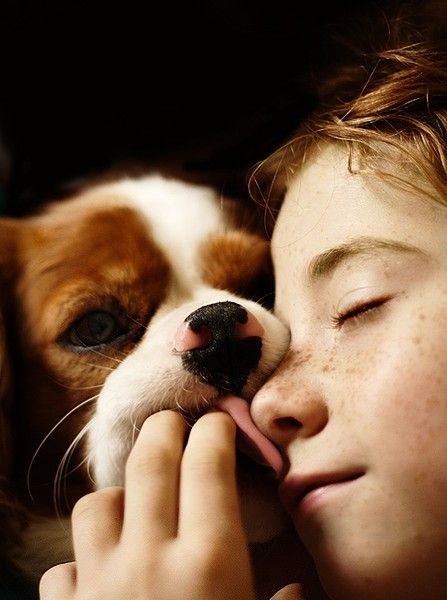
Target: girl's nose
[(290, 405)]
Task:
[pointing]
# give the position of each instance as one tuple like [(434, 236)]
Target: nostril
[(185, 338), (250, 328), (287, 424)]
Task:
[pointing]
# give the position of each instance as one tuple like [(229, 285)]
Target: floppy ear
[(5, 391), (11, 515), (8, 268)]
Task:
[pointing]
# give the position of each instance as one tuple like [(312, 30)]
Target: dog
[(134, 295)]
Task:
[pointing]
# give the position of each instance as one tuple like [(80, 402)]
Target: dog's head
[(132, 297)]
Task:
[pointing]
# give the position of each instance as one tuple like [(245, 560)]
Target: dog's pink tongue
[(250, 440)]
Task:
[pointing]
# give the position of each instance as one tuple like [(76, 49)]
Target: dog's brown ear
[(5, 401), (9, 518), (11, 515), (8, 268)]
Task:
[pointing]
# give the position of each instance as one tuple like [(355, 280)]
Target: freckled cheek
[(404, 397), (420, 393)]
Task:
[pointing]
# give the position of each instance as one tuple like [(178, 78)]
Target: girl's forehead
[(327, 205)]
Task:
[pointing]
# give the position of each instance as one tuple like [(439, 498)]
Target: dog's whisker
[(83, 388), (120, 352), (48, 435), (264, 297), (82, 433), (136, 322), (89, 468), (179, 406), (206, 401), (135, 432), (100, 367), (186, 390), (87, 459), (133, 422), (102, 355), (59, 477)]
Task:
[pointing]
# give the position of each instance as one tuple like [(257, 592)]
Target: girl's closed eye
[(359, 311)]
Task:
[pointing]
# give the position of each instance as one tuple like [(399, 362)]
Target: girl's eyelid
[(358, 309)]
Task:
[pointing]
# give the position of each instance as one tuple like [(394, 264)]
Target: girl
[(358, 407)]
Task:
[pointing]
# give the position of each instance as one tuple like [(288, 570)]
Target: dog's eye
[(94, 329)]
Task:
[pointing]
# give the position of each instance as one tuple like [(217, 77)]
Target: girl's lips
[(295, 488)]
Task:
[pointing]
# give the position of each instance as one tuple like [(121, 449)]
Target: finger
[(208, 491), (58, 582), (152, 479), (97, 520), (293, 591)]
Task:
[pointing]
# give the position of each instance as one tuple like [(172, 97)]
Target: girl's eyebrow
[(325, 263)]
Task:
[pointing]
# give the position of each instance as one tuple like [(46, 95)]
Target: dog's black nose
[(220, 343)]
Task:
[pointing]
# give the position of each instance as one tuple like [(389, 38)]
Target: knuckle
[(221, 419), (110, 495), (168, 419), (83, 505), (91, 504), (159, 444), (208, 558), (52, 578)]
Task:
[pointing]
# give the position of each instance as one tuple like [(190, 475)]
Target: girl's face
[(359, 405)]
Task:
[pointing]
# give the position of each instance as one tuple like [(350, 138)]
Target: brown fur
[(224, 265), (50, 271)]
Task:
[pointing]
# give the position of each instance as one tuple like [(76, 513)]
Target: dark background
[(210, 87)]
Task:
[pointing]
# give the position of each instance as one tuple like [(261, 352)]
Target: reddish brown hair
[(390, 102)]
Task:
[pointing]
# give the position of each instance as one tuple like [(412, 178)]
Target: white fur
[(179, 215)]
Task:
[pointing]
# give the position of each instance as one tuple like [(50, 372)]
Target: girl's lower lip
[(318, 496)]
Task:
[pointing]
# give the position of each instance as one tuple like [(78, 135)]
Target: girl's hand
[(174, 532)]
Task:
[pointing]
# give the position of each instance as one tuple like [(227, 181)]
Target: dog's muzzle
[(221, 343)]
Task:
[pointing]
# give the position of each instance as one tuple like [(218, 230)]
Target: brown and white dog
[(134, 296)]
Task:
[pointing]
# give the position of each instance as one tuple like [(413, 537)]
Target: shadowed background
[(208, 87)]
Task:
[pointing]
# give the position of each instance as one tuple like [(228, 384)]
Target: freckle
[(294, 363), (417, 340), (422, 317), (282, 389), (434, 401), (350, 371)]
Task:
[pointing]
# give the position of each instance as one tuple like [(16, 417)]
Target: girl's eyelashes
[(359, 311)]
